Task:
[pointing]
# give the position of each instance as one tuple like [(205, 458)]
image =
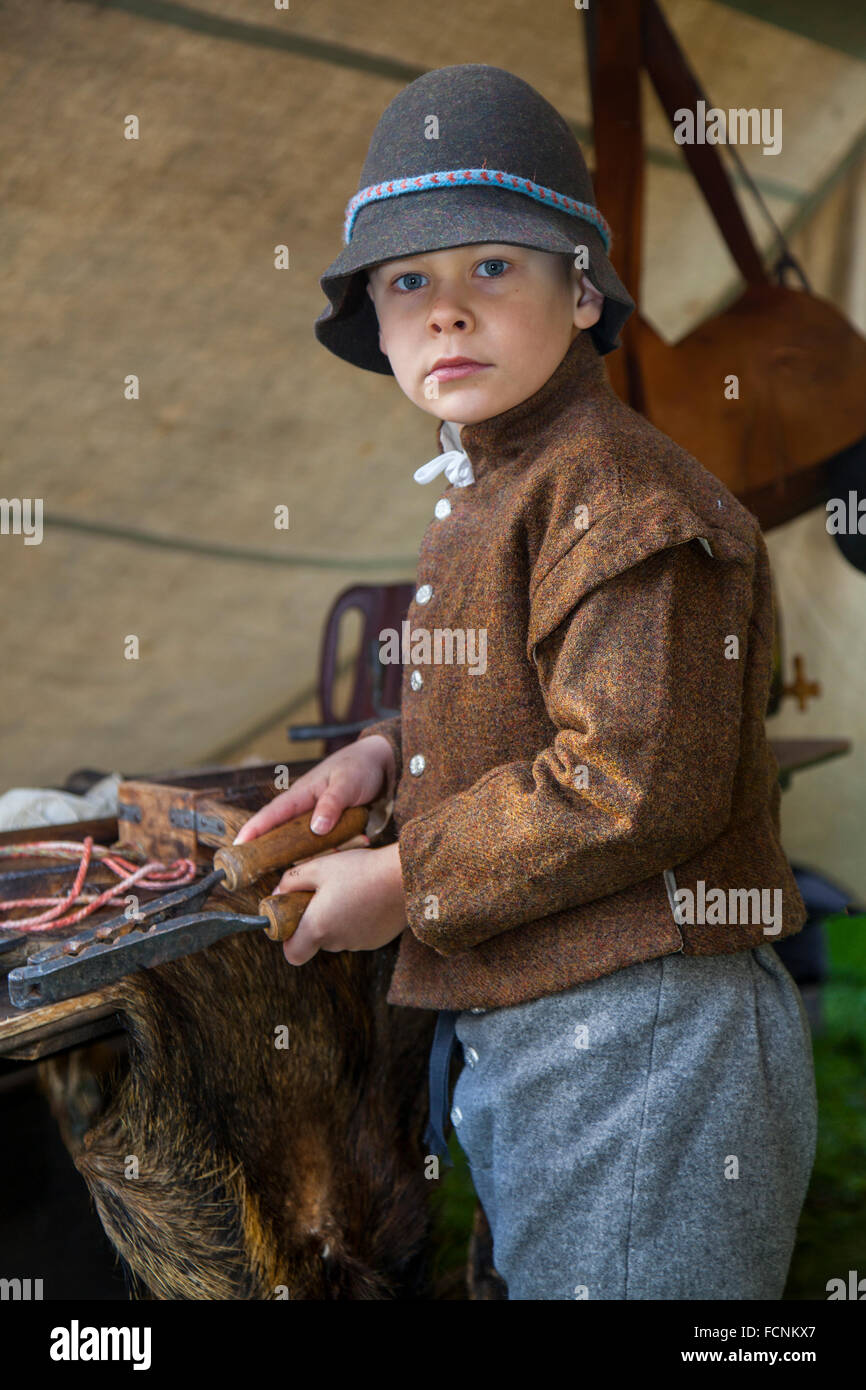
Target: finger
[(302, 877), (356, 842), (294, 802), (335, 798), (302, 944), (283, 807), (298, 953)]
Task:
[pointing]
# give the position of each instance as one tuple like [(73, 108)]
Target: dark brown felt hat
[(504, 166)]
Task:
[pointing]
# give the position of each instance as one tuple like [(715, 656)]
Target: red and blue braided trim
[(420, 183)]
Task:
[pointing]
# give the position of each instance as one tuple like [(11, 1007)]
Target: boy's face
[(513, 309)]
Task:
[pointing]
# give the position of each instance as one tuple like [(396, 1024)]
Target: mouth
[(450, 368)]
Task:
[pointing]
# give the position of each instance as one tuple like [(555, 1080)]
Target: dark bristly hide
[(223, 1165)]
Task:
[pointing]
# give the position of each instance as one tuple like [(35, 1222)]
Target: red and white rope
[(153, 875)]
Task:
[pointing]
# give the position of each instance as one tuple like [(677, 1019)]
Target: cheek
[(538, 313), (394, 319), (529, 325)]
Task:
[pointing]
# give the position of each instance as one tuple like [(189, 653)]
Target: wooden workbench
[(27, 1034)]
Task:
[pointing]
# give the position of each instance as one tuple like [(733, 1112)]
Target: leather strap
[(676, 87), (622, 38), (613, 37), (444, 1040)]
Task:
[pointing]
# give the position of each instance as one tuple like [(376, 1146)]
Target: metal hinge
[(187, 819)]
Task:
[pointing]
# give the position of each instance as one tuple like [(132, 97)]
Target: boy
[(584, 825)]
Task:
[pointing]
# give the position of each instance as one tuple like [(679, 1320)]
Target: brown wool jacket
[(614, 751)]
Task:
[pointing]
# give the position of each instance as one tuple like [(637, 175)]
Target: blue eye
[(410, 275), (417, 276)]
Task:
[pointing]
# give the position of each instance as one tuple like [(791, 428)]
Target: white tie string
[(453, 463)]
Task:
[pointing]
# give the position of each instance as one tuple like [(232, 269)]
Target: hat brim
[(434, 220)]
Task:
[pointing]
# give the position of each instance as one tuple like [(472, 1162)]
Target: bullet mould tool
[(178, 923)]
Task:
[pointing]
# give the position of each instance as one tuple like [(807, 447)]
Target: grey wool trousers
[(646, 1135)]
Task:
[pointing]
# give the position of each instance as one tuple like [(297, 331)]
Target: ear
[(589, 302)]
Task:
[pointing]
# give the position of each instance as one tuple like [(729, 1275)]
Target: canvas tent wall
[(154, 258)]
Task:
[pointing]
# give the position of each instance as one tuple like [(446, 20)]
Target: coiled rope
[(153, 875)]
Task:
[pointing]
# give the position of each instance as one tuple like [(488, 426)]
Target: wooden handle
[(283, 846), (284, 912)]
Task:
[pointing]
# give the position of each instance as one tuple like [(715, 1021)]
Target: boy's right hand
[(353, 776)]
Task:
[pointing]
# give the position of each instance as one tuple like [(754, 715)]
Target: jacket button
[(442, 508), (470, 1056), (416, 680), (417, 764), (424, 594), (456, 1115), (478, 1011)]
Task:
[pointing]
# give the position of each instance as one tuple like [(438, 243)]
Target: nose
[(446, 315)]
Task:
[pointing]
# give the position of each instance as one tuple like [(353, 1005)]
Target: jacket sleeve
[(639, 776)]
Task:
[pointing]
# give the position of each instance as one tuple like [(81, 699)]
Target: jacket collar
[(521, 429)]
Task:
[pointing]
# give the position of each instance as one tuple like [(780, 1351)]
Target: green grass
[(831, 1238), (453, 1210)]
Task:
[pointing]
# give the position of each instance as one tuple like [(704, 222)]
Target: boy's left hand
[(358, 903)]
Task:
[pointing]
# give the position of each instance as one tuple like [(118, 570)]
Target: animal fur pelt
[(266, 1140)]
